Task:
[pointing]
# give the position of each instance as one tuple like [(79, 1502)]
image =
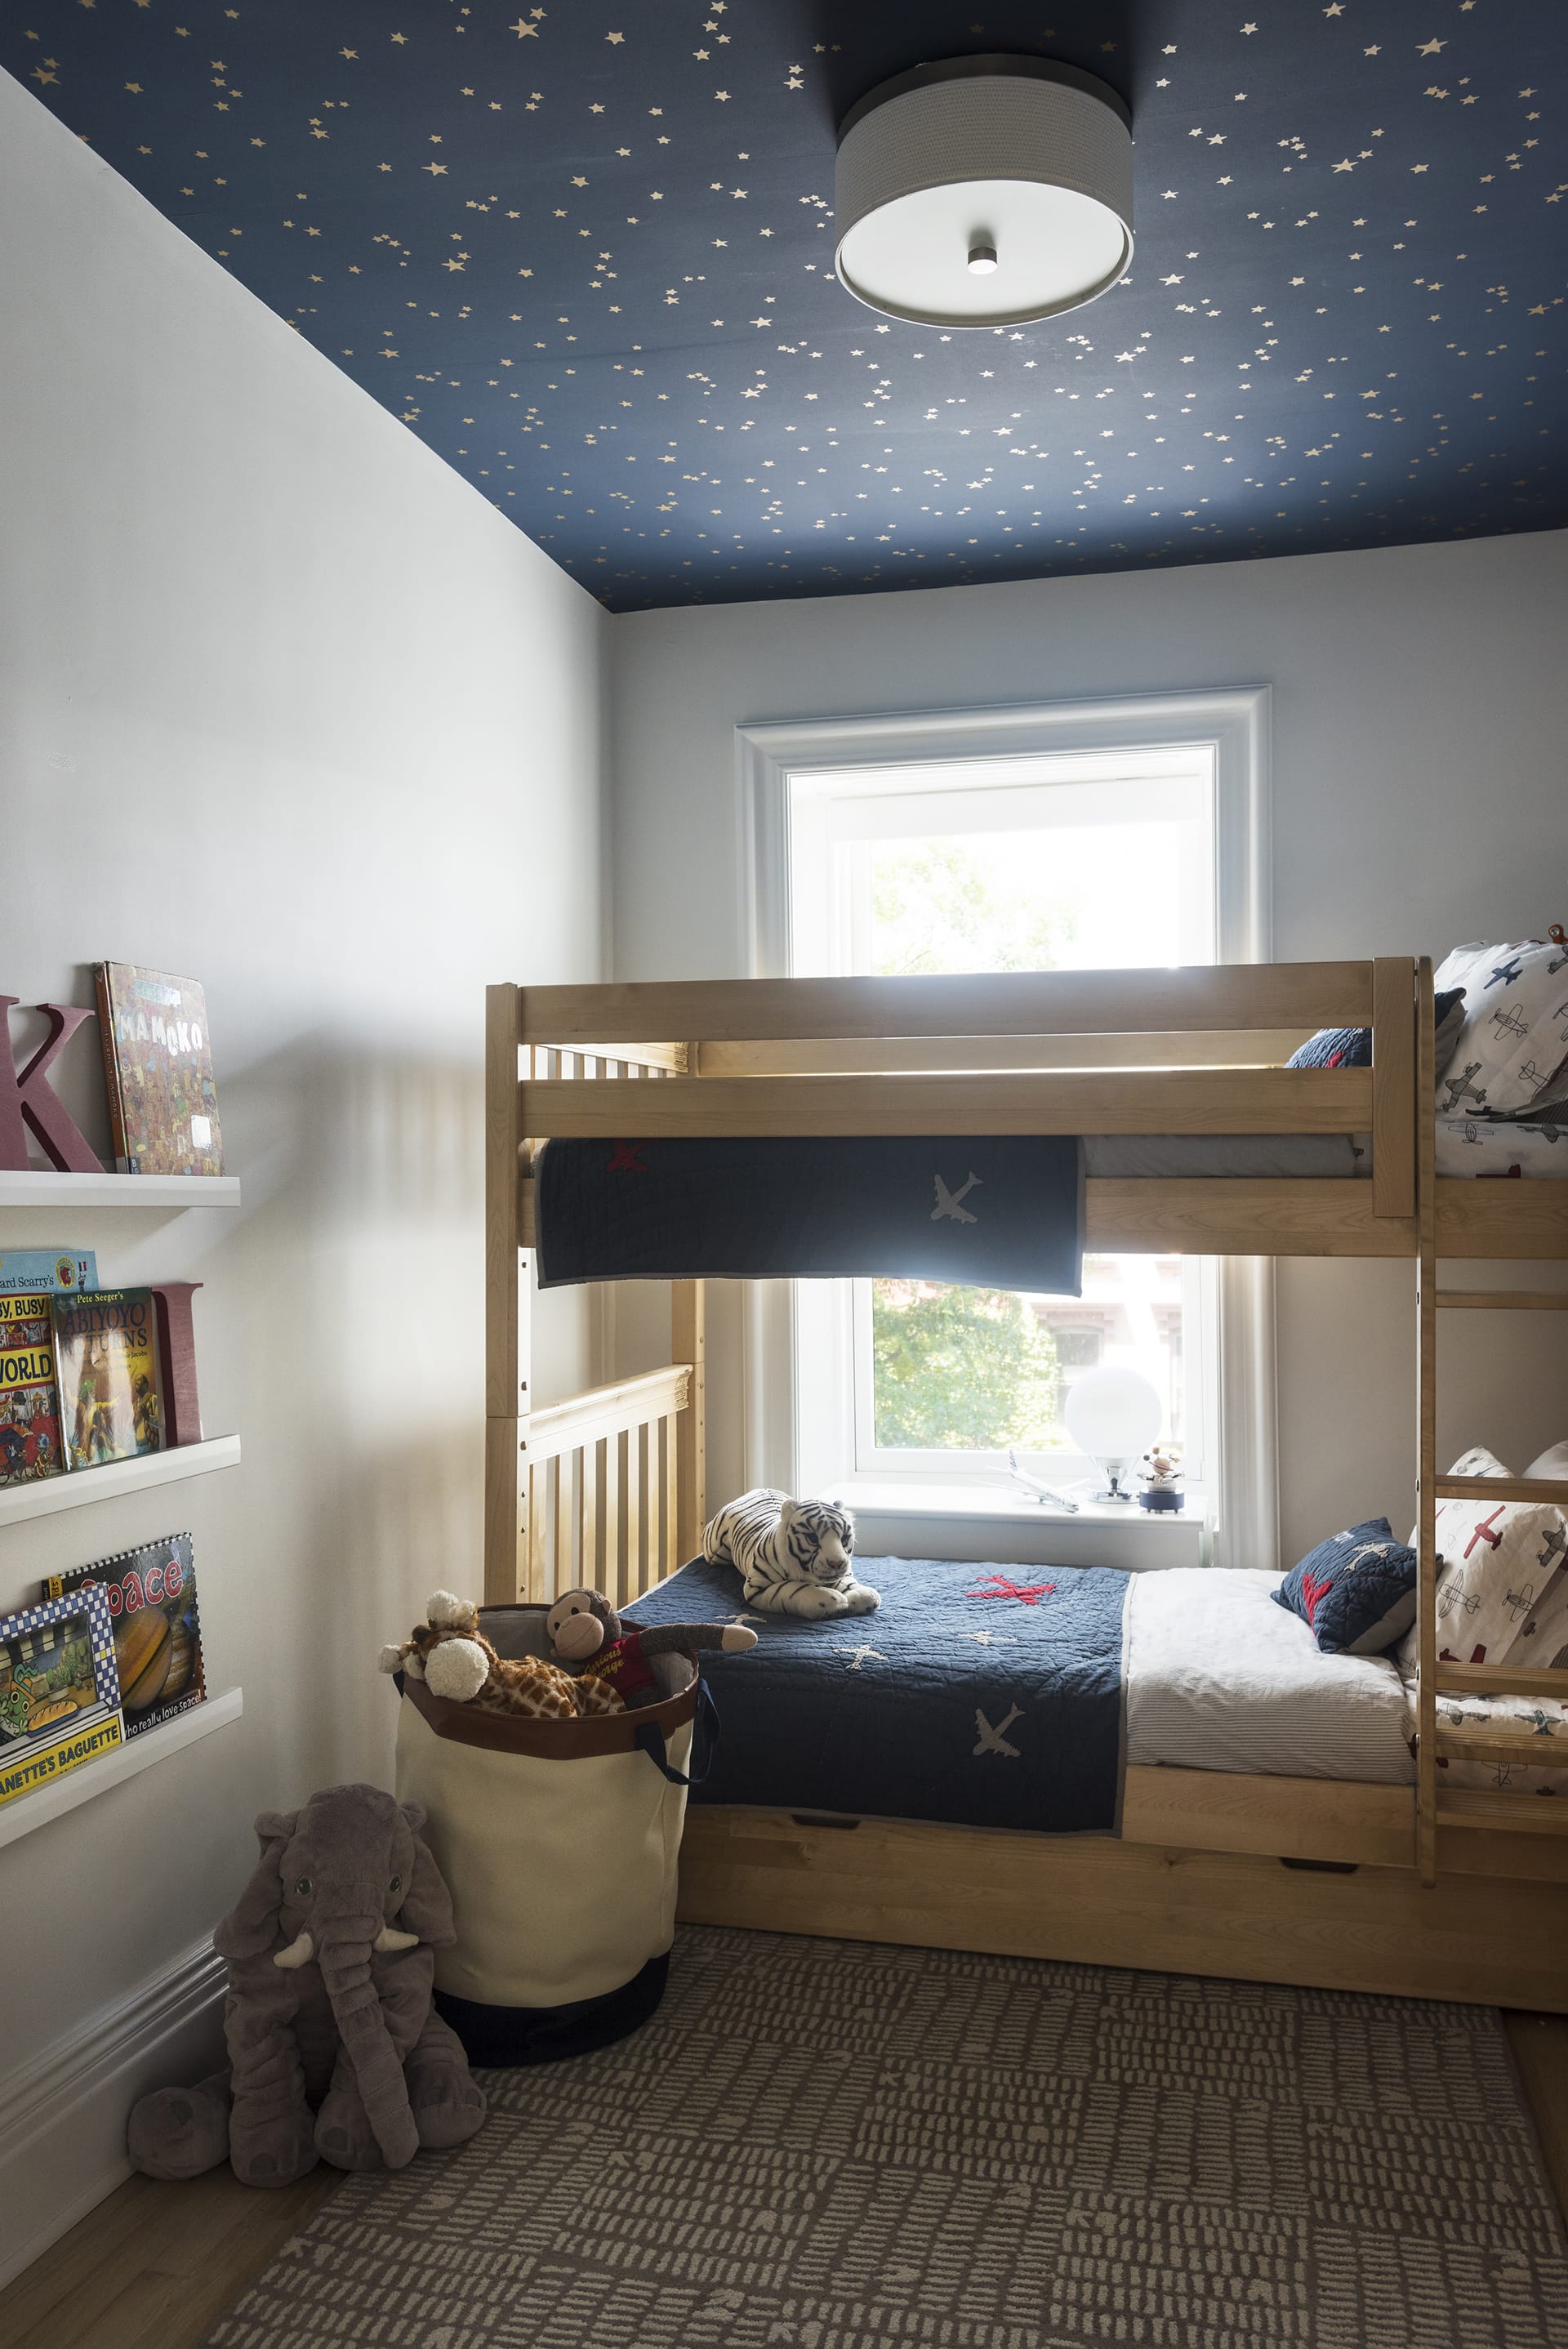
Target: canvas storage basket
[(559, 1841)]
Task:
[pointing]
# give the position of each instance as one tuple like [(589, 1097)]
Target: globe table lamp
[(1114, 1416)]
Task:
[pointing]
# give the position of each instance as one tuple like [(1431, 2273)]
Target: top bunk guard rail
[(1025, 1003), (1072, 1101), (863, 1076), (1158, 1050)]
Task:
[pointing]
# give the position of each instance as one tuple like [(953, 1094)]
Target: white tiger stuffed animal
[(793, 1556)]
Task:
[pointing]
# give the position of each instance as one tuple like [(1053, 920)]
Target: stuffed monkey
[(588, 1634)]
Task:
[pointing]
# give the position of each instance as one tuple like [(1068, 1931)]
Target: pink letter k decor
[(30, 1096)]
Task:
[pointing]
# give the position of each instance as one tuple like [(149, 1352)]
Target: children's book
[(162, 1103), (62, 1270), (151, 1596), (106, 1375), (59, 1694), (29, 1404)]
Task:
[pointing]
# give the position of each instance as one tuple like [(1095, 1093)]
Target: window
[(1085, 863), (1068, 835)]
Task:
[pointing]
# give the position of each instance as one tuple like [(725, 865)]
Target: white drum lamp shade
[(1114, 1415), (985, 192)]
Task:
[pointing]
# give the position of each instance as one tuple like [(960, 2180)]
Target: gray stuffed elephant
[(335, 2052)]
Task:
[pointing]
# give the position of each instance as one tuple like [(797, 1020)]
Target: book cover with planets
[(151, 1596), (29, 1405), (59, 1697), (158, 1064), (106, 1373)]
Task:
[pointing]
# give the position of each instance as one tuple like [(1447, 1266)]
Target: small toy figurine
[(586, 1632), (1159, 1478), (451, 1655)]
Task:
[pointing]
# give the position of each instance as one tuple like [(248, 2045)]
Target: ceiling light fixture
[(985, 192)]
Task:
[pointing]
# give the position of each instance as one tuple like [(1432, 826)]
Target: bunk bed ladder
[(1519, 1814), (1478, 1806)]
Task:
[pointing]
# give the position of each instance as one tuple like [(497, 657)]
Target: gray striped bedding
[(1218, 1678)]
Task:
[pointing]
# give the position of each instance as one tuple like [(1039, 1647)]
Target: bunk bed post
[(1394, 1115), (688, 1343), (1426, 1431), (508, 1375)]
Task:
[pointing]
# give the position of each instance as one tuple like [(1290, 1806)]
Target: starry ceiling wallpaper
[(585, 251)]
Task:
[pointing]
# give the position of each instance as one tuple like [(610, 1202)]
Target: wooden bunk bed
[(1340, 1884)]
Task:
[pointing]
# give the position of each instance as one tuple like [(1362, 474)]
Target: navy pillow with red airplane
[(1351, 1048), (1356, 1592)]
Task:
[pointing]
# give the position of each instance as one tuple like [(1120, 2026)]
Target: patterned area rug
[(820, 2145)]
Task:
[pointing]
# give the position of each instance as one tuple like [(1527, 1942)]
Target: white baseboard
[(62, 2115)]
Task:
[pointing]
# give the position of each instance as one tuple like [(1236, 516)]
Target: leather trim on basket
[(551, 1741)]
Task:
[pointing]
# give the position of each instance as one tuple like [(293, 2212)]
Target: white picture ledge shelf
[(44, 1189), (137, 1753), (116, 1479)]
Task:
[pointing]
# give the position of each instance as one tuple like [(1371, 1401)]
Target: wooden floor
[(155, 2266), (1539, 2045)]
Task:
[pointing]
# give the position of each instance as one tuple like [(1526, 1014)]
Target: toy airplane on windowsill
[(1042, 1493)]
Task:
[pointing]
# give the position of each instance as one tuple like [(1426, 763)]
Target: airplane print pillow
[(1500, 1575), (1356, 1592), (1513, 1039), (1551, 1463)]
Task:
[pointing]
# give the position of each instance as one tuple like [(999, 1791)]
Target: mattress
[(1248, 1157), (1220, 1678), (1468, 1147), (1215, 1676), (974, 1696)]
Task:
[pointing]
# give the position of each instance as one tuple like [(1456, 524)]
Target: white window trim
[(1235, 722)]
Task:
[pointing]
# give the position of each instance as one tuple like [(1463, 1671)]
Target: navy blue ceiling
[(585, 251)]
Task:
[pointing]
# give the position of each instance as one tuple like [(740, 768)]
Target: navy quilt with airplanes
[(976, 1695), (989, 1211)]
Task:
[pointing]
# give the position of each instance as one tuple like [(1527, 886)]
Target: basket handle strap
[(650, 1740)]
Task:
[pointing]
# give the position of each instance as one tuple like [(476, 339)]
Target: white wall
[(284, 706), (1420, 798)]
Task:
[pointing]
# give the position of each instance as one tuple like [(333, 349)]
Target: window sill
[(935, 1497), (906, 1516)]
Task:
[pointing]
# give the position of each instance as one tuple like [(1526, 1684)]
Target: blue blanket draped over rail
[(992, 1211), (1000, 1711)]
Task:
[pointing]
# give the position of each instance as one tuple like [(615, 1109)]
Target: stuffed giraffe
[(451, 1655)]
